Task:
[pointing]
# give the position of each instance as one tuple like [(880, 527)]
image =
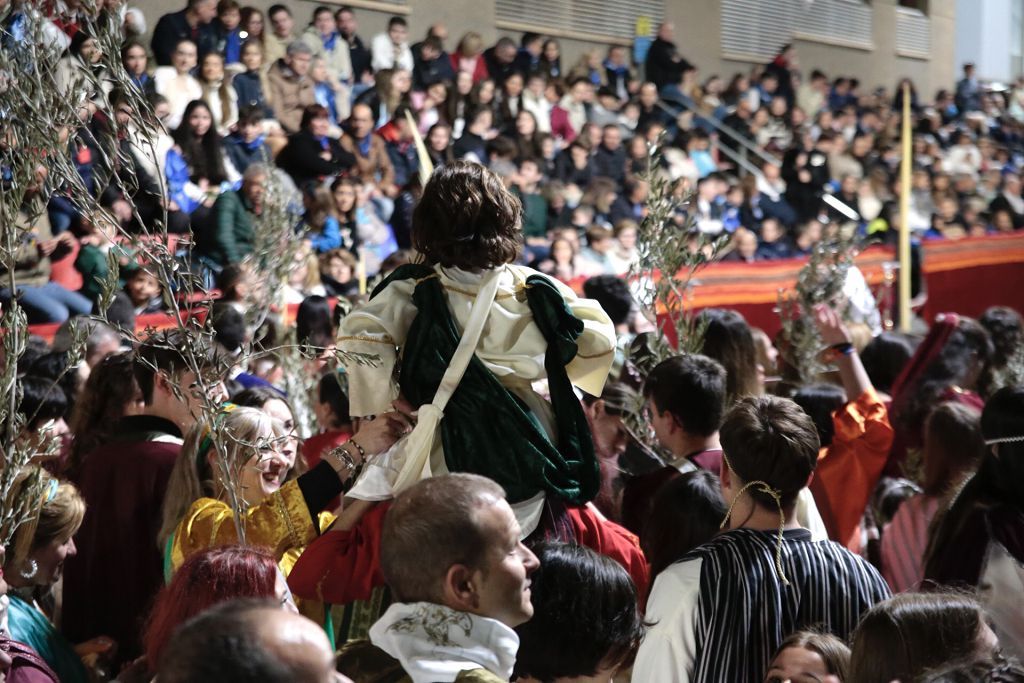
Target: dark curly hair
[(467, 219)]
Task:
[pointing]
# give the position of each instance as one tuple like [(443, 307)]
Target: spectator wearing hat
[(291, 88)]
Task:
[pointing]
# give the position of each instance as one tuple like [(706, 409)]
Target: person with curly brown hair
[(468, 229), (529, 328)]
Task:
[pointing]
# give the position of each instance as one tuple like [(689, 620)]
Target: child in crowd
[(229, 31), (97, 244), (304, 277), (535, 206), (597, 255), (773, 243), (338, 273), (324, 232), (145, 290)]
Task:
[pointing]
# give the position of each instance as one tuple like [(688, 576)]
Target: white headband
[(1005, 439)]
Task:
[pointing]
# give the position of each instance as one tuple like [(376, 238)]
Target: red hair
[(206, 578)]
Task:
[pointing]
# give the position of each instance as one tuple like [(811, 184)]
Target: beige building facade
[(876, 41)]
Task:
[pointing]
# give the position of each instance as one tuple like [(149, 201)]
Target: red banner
[(964, 276)]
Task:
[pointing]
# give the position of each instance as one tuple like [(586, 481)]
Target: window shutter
[(755, 29), (571, 17), (913, 33)]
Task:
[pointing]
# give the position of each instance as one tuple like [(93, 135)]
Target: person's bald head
[(438, 30), (361, 121), (248, 640), (296, 642)]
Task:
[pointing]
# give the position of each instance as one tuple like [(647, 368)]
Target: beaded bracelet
[(362, 452), (341, 456)]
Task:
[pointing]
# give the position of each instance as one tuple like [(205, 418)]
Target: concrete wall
[(698, 31), (983, 36), (698, 35)]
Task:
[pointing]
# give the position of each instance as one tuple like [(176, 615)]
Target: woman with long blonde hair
[(34, 564), (250, 472)]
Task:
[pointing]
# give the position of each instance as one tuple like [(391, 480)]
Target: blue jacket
[(329, 238), (176, 170), (250, 92)]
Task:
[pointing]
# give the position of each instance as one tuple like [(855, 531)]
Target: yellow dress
[(282, 524)]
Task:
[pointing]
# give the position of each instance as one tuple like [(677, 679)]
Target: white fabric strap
[(470, 339)]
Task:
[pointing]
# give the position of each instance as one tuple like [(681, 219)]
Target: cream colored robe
[(511, 346)]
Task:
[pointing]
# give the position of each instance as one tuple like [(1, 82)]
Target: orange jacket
[(849, 468)]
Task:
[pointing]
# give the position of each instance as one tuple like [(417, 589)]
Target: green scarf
[(487, 430)]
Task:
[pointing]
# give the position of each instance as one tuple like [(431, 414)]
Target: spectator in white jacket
[(390, 50), (177, 83)]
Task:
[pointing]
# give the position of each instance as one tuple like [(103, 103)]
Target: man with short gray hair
[(291, 88), (451, 554), (234, 234)]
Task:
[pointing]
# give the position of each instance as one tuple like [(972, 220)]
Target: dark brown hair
[(108, 391), (770, 439), (728, 339), (692, 389), (586, 616), (686, 512), (904, 636), (954, 446), (313, 111), (467, 219), (832, 650)]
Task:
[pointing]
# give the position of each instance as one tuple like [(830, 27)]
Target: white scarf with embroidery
[(434, 643)]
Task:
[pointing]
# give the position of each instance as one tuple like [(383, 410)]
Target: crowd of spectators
[(867, 527), (239, 96)]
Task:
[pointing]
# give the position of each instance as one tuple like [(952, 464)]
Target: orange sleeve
[(849, 468), (342, 566)]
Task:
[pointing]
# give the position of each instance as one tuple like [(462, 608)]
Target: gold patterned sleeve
[(279, 523)]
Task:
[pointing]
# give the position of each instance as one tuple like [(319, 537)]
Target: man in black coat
[(610, 157), (357, 51), (431, 64), (501, 60), (195, 23), (664, 64)]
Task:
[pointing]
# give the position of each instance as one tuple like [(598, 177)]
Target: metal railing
[(746, 146), (741, 156)]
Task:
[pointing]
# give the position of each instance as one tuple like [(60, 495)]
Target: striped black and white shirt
[(721, 612)]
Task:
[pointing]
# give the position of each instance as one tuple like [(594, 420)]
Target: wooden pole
[(904, 252)]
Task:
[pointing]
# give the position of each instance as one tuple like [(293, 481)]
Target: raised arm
[(837, 338)]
